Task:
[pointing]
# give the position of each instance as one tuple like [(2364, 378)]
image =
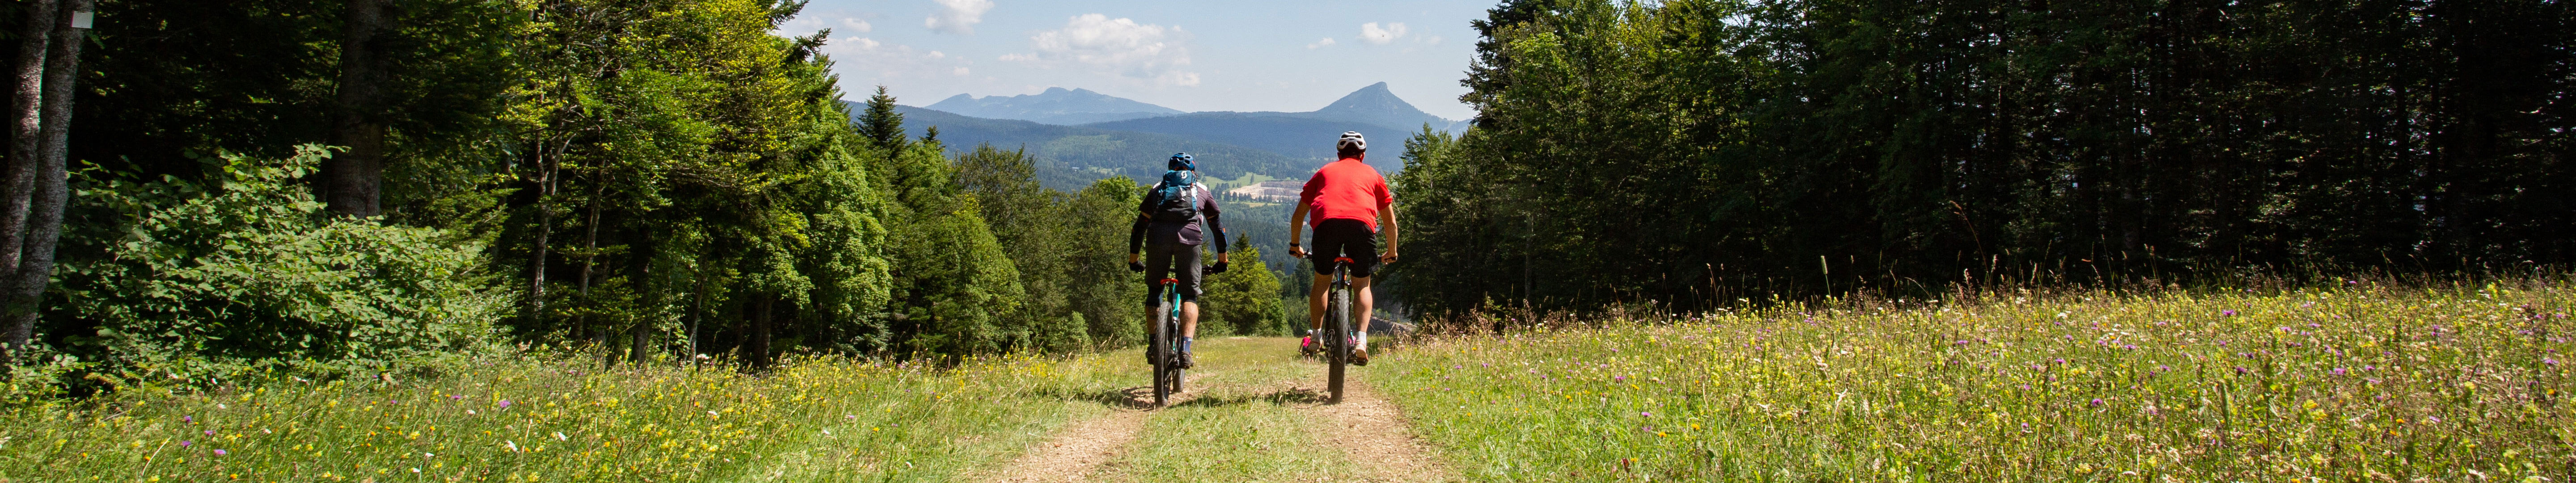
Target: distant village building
[(1269, 191)]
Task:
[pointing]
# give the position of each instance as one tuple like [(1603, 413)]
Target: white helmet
[(1352, 140)]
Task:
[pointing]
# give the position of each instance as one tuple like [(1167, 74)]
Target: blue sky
[(1187, 55)]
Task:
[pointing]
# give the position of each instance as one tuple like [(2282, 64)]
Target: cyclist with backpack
[(1169, 227), (1346, 198)]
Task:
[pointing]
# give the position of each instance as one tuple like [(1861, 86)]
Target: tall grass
[(2352, 383), (550, 420)]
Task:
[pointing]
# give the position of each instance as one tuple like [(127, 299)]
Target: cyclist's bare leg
[(1315, 301), (1190, 319), (1367, 303)]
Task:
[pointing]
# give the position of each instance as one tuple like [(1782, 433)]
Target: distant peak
[(1381, 85), (1054, 90)]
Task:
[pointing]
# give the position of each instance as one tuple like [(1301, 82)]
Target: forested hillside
[(372, 187), (1698, 152)]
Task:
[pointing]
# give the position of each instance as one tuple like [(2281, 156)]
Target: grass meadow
[(524, 420), (2355, 383)]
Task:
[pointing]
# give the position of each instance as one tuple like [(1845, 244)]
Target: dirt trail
[(1243, 386), (1371, 430), (1078, 450)]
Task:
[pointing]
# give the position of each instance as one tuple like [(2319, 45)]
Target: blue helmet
[(1181, 162)]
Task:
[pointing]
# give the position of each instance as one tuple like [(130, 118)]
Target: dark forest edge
[(1701, 154), (641, 182), (649, 181)]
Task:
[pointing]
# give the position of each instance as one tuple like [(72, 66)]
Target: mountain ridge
[(1055, 105)]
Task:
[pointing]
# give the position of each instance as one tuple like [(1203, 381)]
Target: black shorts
[(1178, 261), (1343, 237)]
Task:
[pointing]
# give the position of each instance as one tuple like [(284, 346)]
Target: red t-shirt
[(1345, 189)]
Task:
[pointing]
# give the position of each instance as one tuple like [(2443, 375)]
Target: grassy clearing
[(2351, 384), (1246, 422), (524, 420)]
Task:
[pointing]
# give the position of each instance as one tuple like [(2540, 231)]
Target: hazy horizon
[(1182, 55)]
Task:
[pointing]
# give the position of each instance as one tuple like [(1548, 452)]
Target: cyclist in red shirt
[(1346, 198)]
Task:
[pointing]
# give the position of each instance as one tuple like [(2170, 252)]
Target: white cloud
[(961, 71), (856, 25), (1433, 40), (1371, 33), (1122, 46), (1320, 43), (938, 55), (958, 16)]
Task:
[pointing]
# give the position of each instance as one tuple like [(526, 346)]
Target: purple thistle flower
[(2228, 312), (1619, 378), (210, 432), (505, 403), (2338, 371), (2097, 402), (221, 452), (188, 419), (185, 443), (1646, 414), (2549, 361)]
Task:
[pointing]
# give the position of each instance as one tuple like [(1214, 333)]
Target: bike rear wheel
[(1159, 349), (1337, 321)]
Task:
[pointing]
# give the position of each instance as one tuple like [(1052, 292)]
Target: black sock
[(1185, 344)]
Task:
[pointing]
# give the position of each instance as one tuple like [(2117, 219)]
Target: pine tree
[(880, 124)]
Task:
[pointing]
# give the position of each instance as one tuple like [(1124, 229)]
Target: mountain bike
[(1336, 336), (1163, 348)]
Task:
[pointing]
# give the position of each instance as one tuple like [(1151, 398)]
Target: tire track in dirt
[(1079, 450), (1371, 431)]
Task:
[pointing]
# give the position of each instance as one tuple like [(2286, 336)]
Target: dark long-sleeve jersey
[(1182, 233)]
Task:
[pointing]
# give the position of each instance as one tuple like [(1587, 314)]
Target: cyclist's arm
[(1387, 210), (1215, 224), (1136, 234), (1297, 223)]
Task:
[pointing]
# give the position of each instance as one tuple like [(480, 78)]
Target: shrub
[(174, 280)]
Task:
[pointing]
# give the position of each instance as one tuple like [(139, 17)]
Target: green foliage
[(1705, 151), (1244, 299), (204, 282)]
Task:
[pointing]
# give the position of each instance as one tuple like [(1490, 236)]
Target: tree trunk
[(25, 151), (352, 179), (589, 259), (45, 223), (545, 231)]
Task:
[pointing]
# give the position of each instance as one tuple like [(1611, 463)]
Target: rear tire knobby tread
[(1338, 321), (1158, 349)]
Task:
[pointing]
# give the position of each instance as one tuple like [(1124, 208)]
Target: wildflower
[(505, 403), (2097, 402), (188, 419), (210, 432), (185, 443), (1646, 414), (2549, 361), (221, 452), (1619, 378), (2228, 312)]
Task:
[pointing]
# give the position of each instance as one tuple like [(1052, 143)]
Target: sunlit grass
[(540, 420), (2348, 384)]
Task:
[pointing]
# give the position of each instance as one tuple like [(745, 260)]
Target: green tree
[(1244, 299)]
